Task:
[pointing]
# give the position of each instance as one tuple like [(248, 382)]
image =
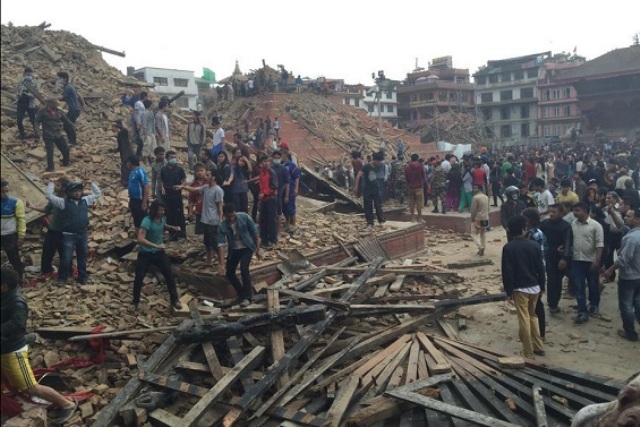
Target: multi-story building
[(506, 96), (170, 82), (440, 88), (558, 106), (378, 105)]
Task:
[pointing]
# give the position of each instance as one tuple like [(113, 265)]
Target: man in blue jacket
[(242, 239)]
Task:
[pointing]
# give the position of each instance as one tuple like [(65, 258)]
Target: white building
[(170, 82), (366, 98)]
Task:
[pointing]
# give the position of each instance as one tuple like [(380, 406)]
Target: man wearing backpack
[(74, 104), (26, 103)]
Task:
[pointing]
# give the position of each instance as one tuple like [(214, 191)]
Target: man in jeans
[(268, 196), (559, 240), (138, 190), (628, 262), (416, 178), (26, 103), (241, 235), (523, 278), (588, 242), (53, 120), (195, 139), (71, 98), (75, 223), (371, 191)]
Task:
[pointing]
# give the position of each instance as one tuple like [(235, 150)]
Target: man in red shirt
[(416, 179), (268, 196), (195, 197), (479, 175), (529, 170)]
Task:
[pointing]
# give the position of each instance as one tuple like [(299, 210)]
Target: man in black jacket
[(511, 207), (523, 278), (15, 360), (558, 256)]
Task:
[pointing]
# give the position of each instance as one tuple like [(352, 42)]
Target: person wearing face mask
[(74, 104), (13, 225), (172, 177), (511, 207), (75, 223)]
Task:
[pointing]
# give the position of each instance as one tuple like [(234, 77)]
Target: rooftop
[(618, 61)]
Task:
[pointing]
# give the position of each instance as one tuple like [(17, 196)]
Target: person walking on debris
[(238, 181), (480, 217), (196, 134), (212, 201), (53, 236), (438, 187), (511, 207), (242, 239), (53, 120), (172, 176), (415, 178), (523, 278), (75, 224), (628, 264), (163, 130), (268, 188), (289, 207), (368, 177), (151, 252), (282, 175), (124, 149), (138, 187), (588, 245), (558, 256), (74, 105), (14, 226), (15, 358), (194, 206), (147, 132), (26, 103), (156, 167), (136, 120)]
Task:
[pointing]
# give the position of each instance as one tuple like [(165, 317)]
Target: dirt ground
[(593, 347)]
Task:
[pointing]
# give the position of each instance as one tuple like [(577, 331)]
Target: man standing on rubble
[(172, 176), (53, 120), (14, 226), (163, 130), (289, 207), (74, 105), (138, 187), (268, 195), (480, 217), (416, 178), (147, 132), (218, 137), (26, 103), (136, 120), (368, 178), (196, 134)]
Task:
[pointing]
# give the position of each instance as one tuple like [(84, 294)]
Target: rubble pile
[(454, 127)]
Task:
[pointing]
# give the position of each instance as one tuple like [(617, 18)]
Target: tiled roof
[(625, 61)]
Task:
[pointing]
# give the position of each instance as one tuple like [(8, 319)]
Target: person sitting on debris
[(138, 187), (151, 252), (212, 201), (241, 235), (171, 177), (52, 120), (124, 149), (53, 236), (26, 103), (14, 227), (523, 278), (368, 178), (15, 359), (74, 105), (75, 224)]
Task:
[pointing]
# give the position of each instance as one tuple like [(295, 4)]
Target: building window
[(556, 130), (567, 92), (389, 108), (524, 111), (486, 97), (505, 131), (556, 94), (486, 113), (347, 101), (161, 81), (493, 78), (182, 102), (567, 110), (524, 129), (181, 82), (518, 75), (480, 80), (556, 111), (532, 74), (506, 95), (370, 108), (356, 102), (506, 77), (545, 95), (505, 113), (389, 95), (139, 76), (547, 131), (526, 92)]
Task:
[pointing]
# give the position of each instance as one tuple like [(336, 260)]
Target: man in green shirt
[(151, 252)]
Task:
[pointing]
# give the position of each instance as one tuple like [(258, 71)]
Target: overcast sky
[(347, 39)]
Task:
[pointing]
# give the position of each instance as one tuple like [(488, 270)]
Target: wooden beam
[(237, 355), (442, 364), (172, 384), (277, 338), (207, 347), (397, 284), (403, 271), (412, 368), (343, 400), (338, 305), (538, 404), (111, 51), (215, 393)]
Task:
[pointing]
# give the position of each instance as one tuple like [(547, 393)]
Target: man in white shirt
[(218, 137), (543, 197), (446, 164), (623, 177), (162, 127)]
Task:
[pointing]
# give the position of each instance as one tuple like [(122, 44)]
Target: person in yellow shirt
[(13, 223), (566, 195)]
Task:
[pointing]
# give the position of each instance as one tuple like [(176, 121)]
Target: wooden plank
[(207, 347), (277, 337), (404, 271), (237, 355), (393, 308), (452, 410), (338, 305), (384, 378), (381, 355), (172, 384), (469, 263), (382, 408), (215, 393), (446, 395), (412, 367), (423, 372), (442, 364), (397, 284), (341, 373), (538, 404), (343, 400)]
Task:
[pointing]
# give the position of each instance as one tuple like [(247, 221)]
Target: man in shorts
[(14, 356)]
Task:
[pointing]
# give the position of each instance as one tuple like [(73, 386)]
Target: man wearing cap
[(75, 223), (74, 105), (13, 224), (53, 120), (26, 103), (195, 139)]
